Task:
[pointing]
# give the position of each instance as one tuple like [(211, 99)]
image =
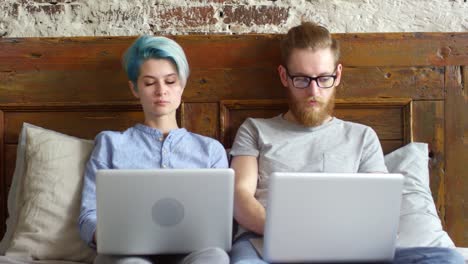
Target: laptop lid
[(332, 217), (163, 211)]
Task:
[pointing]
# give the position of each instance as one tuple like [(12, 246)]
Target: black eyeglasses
[(302, 82)]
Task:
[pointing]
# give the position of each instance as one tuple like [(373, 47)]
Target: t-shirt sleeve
[(246, 141), (372, 159)]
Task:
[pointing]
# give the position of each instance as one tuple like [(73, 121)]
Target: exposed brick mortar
[(39, 18)]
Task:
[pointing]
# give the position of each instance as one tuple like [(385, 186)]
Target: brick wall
[(34, 18)]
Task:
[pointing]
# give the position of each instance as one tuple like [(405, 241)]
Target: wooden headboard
[(407, 86)]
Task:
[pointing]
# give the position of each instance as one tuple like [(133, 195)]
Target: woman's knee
[(208, 255), (113, 259)]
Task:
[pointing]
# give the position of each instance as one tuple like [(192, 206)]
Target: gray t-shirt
[(282, 146)]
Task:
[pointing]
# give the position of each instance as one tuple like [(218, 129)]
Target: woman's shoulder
[(113, 135), (204, 139)]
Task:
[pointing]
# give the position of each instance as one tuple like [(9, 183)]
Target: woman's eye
[(148, 84), (170, 82)]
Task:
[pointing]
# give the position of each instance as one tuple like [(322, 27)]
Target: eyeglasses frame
[(334, 76)]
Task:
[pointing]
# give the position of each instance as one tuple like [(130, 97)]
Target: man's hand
[(248, 212)]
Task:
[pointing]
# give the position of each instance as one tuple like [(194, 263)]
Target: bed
[(409, 87)]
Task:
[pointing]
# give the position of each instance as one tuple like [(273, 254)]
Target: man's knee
[(451, 256), (439, 255)]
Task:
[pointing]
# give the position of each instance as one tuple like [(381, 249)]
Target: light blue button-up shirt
[(143, 147)]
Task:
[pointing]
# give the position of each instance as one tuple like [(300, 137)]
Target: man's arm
[(248, 212)]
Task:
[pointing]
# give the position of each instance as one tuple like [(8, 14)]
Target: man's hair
[(308, 35), (150, 47)]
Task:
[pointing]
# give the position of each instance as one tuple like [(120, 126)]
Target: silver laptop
[(332, 217), (164, 211)]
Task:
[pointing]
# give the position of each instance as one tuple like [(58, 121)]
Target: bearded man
[(307, 138)]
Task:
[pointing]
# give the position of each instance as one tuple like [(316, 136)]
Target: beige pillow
[(49, 198)]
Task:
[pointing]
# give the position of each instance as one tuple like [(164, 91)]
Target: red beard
[(311, 116)]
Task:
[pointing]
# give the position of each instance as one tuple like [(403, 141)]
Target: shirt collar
[(158, 133)]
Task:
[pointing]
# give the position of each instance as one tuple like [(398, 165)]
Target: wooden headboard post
[(407, 86)]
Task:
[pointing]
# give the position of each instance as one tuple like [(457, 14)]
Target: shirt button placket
[(164, 158)]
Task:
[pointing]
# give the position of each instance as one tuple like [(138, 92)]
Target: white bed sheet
[(464, 252)]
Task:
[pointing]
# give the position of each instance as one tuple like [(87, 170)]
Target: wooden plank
[(360, 49), (214, 84), (428, 125), (64, 86), (263, 83), (404, 49), (9, 167), (387, 123), (3, 191), (34, 68), (10, 158), (74, 53), (79, 124), (391, 145), (201, 118), (418, 83), (456, 152)]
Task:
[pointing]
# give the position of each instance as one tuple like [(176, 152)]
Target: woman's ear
[(283, 76), (133, 88)]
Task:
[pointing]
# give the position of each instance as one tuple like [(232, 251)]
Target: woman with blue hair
[(157, 70)]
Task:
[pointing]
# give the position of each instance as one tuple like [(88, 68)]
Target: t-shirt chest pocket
[(333, 162)]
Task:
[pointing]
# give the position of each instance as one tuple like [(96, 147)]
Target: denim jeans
[(243, 252), (205, 256)]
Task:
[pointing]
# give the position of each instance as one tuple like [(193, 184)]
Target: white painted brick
[(133, 17)]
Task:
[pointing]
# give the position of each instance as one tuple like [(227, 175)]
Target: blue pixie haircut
[(150, 47)]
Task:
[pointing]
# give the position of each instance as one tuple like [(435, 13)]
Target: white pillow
[(47, 198), (419, 223)]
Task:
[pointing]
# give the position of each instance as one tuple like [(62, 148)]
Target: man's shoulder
[(256, 121), (350, 125)]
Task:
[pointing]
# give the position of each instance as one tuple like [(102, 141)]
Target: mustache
[(316, 99)]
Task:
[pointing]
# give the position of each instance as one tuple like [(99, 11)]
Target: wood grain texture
[(83, 124), (77, 86), (428, 123), (10, 154), (456, 151), (397, 65), (3, 181), (201, 118)]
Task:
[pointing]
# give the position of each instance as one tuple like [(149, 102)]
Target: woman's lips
[(161, 102)]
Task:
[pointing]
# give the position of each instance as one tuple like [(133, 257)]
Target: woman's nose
[(160, 89)]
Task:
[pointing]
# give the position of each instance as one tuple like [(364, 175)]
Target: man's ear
[(133, 88), (283, 76), (339, 71)]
